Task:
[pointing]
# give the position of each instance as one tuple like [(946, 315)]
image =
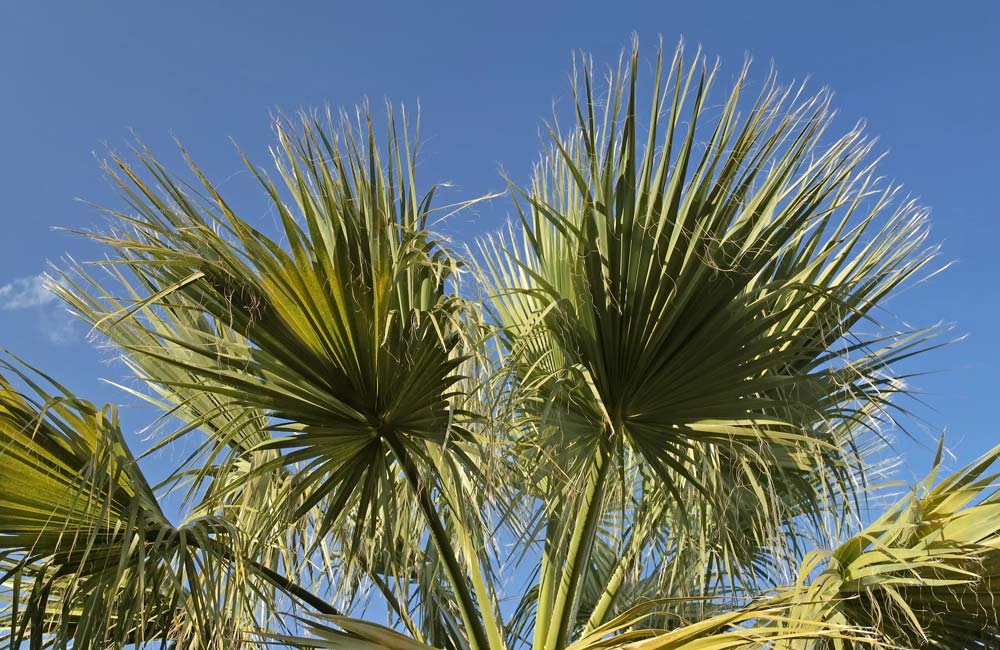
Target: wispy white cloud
[(24, 293), (58, 326), (32, 292)]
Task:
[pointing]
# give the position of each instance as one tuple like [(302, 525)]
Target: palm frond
[(925, 574), (331, 364), (701, 306), (87, 556), (763, 624)]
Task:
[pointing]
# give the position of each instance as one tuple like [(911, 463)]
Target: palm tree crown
[(650, 413)]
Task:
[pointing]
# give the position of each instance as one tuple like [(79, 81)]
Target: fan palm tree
[(651, 413)]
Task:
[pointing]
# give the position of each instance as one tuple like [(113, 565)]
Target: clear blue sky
[(76, 76)]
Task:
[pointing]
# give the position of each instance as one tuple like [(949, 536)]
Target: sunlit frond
[(329, 366), (695, 289), (925, 574), (86, 554)]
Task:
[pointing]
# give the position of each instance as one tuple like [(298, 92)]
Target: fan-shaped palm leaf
[(925, 574), (698, 305), (341, 352)]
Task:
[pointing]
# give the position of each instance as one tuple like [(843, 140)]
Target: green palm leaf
[(699, 306), (925, 574), (334, 365), (86, 554)]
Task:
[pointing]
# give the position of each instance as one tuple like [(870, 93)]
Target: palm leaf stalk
[(659, 401)]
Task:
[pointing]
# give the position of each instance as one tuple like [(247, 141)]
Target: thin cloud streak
[(24, 293)]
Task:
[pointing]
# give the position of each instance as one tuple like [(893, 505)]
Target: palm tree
[(652, 413)]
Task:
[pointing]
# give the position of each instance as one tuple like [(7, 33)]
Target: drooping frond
[(925, 574), (763, 624), (87, 558)]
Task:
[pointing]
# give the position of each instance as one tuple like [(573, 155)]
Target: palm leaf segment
[(86, 553)]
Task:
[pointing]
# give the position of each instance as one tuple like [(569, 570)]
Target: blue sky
[(76, 77)]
